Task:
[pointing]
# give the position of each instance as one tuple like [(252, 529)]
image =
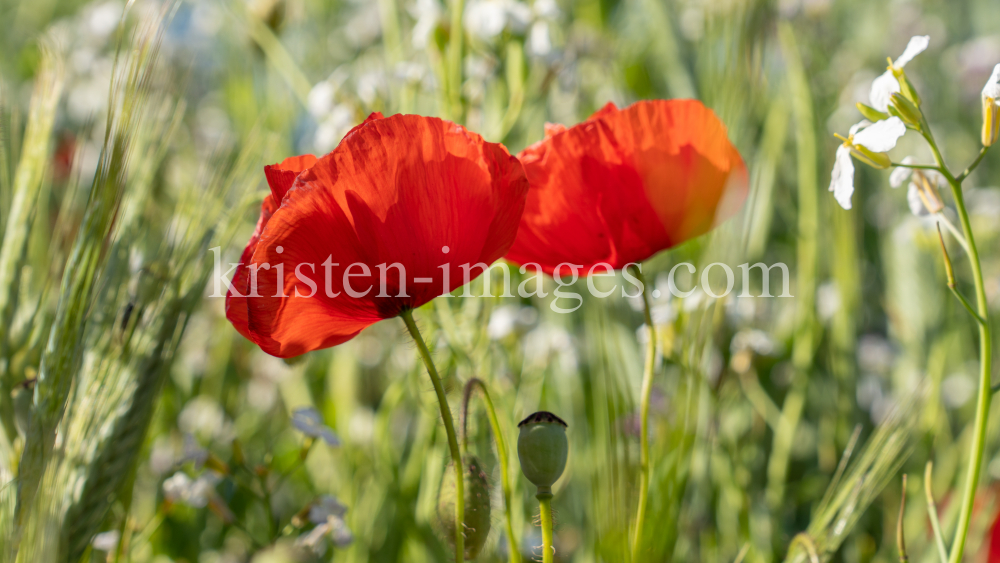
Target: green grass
[(114, 363)]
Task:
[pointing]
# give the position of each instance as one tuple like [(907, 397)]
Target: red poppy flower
[(382, 224), (626, 184)]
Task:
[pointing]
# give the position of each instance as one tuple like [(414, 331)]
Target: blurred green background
[(755, 400)]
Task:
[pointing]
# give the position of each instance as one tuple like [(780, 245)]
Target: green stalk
[(27, 188), (985, 356), (646, 392), (449, 426), (985, 393), (454, 64), (545, 515), (470, 387)]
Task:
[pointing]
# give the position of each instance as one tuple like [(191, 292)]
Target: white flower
[(192, 492), (901, 173), (842, 177), (880, 136), (916, 204), (308, 421), (992, 88), (539, 43), (320, 101), (485, 19), (332, 129), (886, 85), (547, 9), (991, 108), (921, 195), (877, 138), (106, 541), (428, 13)]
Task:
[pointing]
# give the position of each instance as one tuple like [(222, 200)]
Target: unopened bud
[(907, 89), (991, 121), (477, 501), (906, 111), (870, 113), (542, 449), (927, 190)]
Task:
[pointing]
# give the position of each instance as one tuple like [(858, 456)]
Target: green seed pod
[(871, 113), (542, 449), (477, 506)]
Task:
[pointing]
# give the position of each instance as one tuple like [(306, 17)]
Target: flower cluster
[(894, 109), (423, 201)]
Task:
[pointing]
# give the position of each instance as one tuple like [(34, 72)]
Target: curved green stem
[(985, 359), (646, 392), (933, 513), (470, 387), (449, 426), (545, 515), (975, 163), (916, 166)]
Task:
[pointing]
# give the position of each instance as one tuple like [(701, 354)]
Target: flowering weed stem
[(985, 355), (647, 387)]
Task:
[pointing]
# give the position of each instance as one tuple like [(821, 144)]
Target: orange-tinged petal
[(626, 184)]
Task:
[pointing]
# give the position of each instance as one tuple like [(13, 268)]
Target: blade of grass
[(27, 185)]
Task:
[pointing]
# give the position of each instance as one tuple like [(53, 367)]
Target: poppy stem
[(449, 426), (545, 517), (502, 455), (647, 388)]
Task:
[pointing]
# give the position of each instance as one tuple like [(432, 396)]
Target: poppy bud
[(906, 111), (542, 449), (477, 506), (870, 113)]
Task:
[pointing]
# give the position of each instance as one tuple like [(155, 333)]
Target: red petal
[(395, 190), (626, 184), (280, 177)]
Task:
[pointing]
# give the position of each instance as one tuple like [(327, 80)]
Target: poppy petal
[(396, 190), (625, 184), (280, 177)]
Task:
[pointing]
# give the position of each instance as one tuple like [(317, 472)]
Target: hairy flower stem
[(647, 388), (470, 387), (449, 426), (545, 516), (985, 358)]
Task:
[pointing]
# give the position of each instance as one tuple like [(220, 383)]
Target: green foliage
[(130, 405)]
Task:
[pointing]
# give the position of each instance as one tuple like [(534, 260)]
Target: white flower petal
[(916, 204), (992, 88), (881, 136), (842, 178), (918, 44), (882, 90), (901, 173), (859, 126)]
